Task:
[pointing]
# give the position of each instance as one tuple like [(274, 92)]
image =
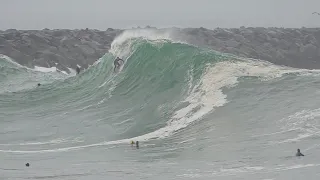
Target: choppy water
[(198, 114)]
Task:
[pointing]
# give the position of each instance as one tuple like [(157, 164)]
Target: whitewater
[(197, 114)]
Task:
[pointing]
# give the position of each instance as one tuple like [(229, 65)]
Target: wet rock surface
[(65, 49), (297, 47), (56, 48)]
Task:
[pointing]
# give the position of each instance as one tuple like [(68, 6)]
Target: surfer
[(116, 63), (299, 153), (137, 144), (78, 70)]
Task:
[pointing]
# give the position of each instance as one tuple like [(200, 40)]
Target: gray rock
[(60, 48), (297, 48), (232, 43), (310, 39), (239, 38), (309, 50), (283, 44), (68, 48)]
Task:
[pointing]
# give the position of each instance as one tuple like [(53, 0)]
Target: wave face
[(178, 100)]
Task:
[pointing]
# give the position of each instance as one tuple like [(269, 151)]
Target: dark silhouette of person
[(116, 63), (299, 153), (78, 70)]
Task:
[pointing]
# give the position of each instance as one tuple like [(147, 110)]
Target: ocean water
[(197, 114)]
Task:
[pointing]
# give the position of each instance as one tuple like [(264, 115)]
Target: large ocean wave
[(164, 86)]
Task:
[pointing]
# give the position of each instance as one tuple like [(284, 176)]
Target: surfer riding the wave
[(117, 63)]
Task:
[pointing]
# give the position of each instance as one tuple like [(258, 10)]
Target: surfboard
[(119, 68)]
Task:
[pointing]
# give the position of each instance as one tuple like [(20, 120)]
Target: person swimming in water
[(116, 63), (136, 143), (299, 153)]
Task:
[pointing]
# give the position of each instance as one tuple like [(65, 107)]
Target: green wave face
[(163, 86)]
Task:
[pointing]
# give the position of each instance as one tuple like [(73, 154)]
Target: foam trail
[(55, 141), (208, 93)]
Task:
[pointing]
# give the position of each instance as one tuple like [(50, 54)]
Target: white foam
[(298, 138), (72, 72), (305, 122), (203, 98), (121, 45), (64, 72), (123, 122), (55, 141), (275, 133), (150, 34), (36, 68), (54, 70), (298, 166), (245, 170), (190, 175), (44, 69), (10, 60), (208, 93), (241, 170)]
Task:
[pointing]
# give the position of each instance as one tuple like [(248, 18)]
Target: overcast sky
[(102, 14)]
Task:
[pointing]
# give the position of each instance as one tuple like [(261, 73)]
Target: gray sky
[(102, 14)]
